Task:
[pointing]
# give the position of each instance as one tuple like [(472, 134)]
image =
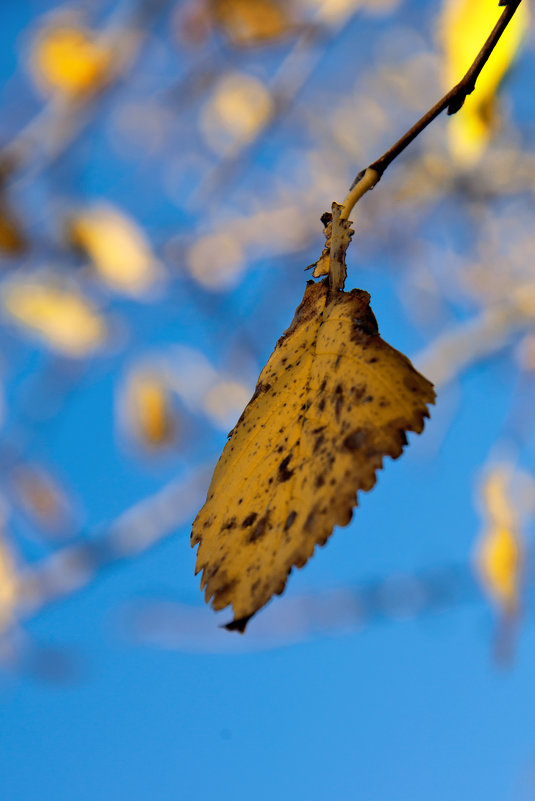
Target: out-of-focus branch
[(452, 101), (458, 349), (182, 627), (143, 526)]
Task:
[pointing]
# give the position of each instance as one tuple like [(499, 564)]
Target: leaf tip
[(238, 624)]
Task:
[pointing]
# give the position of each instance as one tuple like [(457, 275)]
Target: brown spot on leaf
[(339, 401), (309, 522), (290, 520), (259, 530), (319, 442), (357, 439), (284, 473)]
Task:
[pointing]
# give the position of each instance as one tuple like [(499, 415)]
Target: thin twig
[(452, 101)]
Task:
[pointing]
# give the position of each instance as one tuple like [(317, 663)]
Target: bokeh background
[(163, 169)]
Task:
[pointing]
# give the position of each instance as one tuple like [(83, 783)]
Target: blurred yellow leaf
[(238, 108), (499, 552), (63, 318), (149, 409), (8, 585), (42, 498), (119, 250), (67, 59), (250, 22), (463, 27), (332, 401)]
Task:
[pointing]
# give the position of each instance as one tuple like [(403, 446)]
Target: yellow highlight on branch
[(463, 27)]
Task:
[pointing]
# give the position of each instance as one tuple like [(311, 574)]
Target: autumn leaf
[(119, 250), (62, 318), (251, 22), (9, 589), (499, 552), (149, 409), (331, 402), (68, 59)]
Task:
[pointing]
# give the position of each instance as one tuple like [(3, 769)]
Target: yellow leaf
[(499, 551), (149, 409), (251, 22), (67, 59), (8, 586), (64, 319), (332, 401), (499, 561), (238, 108), (118, 249), (464, 26)]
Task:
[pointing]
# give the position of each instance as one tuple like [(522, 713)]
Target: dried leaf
[(332, 401)]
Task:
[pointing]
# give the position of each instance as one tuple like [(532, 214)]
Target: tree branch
[(452, 101)]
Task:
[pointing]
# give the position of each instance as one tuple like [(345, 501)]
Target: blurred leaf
[(239, 106), (463, 27), (42, 498), (251, 22), (12, 240), (68, 60), (119, 250), (149, 411), (8, 585), (499, 552), (332, 401), (63, 318)]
